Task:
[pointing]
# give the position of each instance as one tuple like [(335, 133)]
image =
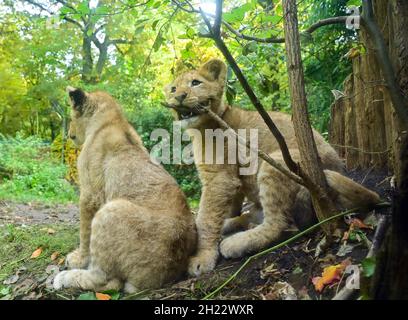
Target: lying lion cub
[(279, 198), (136, 228)]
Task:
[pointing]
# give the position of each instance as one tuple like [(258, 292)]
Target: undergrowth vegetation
[(29, 172)]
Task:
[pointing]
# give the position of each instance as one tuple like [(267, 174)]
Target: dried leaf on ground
[(102, 296), (280, 291), (55, 255), (345, 249), (355, 222), (36, 253), (331, 274)]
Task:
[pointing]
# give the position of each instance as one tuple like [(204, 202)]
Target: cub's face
[(79, 117), (197, 88)]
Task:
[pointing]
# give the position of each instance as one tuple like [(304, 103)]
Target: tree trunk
[(87, 61), (391, 276), (103, 56), (312, 170)]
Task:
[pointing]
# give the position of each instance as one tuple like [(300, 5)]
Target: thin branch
[(121, 41), (293, 166), (261, 154)]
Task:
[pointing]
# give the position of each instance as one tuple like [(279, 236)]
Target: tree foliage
[(132, 49)]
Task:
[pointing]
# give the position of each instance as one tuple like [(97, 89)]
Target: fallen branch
[(284, 243)]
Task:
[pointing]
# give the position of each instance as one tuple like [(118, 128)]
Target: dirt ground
[(286, 273)]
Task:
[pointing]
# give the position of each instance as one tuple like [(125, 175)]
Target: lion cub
[(136, 229), (278, 200)]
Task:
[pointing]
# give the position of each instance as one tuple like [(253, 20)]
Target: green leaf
[(190, 33), (237, 14), (356, 3), (154, 25), (103, 10), (368, 265), (5, 291), (65, 10), (273, 19), (115, 295), (83, 8), (158, 42), (87, 296), (230, 93)]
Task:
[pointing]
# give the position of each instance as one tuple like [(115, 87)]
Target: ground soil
[(286, 273)]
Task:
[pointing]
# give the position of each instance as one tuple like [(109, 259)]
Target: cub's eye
[(173, 89), (195, 83)]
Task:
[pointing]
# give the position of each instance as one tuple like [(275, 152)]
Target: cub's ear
[(214, 70), (78, 98)]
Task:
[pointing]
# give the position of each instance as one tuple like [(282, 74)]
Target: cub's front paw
[(76, 261), (204, 262), (60, 280), (233, 246)]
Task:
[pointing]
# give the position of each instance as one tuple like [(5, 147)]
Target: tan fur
[(135, 225), (269, 189)]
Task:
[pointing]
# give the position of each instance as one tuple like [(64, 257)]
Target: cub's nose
[(72, 137), (181, 97)]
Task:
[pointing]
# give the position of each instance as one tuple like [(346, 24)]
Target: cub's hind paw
[(232, 247)]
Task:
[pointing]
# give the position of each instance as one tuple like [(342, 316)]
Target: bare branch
[(261, 154), (121, 41), (293, 166)]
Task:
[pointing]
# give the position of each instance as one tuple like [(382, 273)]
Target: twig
[(241, 140), (282, 244)]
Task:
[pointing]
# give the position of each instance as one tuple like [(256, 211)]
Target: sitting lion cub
[(281, 200), (136, 228)]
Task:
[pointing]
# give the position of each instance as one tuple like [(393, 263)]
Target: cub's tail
[(351, 194)]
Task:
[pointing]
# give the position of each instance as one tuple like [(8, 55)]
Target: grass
[(31, 173), (17, 243)]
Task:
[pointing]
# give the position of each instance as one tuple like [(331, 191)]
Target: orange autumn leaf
[(359, 224), (330, 274), (61, 261), (36, 253), (355, 222), (102, 296)]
